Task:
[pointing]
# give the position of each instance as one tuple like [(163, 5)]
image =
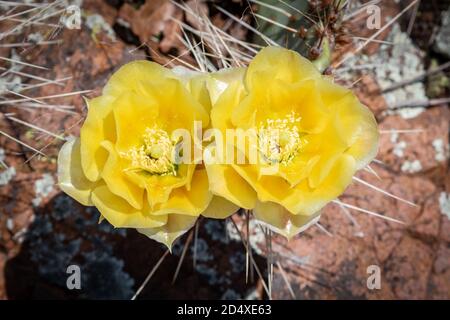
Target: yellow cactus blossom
[(310, 135), (124, 162)]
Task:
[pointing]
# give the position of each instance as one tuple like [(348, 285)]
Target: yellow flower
[(124, 162), (310, 136)]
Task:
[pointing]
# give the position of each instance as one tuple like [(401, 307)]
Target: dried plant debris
[(154, 24), (26, 30)]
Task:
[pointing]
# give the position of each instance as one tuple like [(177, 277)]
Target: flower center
[(156, 154), (280, 140)]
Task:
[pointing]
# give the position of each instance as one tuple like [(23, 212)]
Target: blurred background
[(394, 54)]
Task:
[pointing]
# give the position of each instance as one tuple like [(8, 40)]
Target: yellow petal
[(206, 88), (281, 98), (277, 99), (199, 90), (358, 127), (229, 99), (354, 124), (220, 208), (176, 226), (188, 202), (305, 200), (297, 170), (133, 114), (224, 181), (98, 126), (177, 107), (331, 93), (244, 115), (327, 146), (310, 108), (130, 75), (268, 188), (159, 187), (301, 199), (71, 177), (280, 63), (281, 221), (219, 82), (322, 168), (197, 85), (115, 179), (120, 214)]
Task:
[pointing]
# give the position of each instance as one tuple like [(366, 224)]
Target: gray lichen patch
[(10, 81), (411, 166), (257, 238), (230, 294), (96, 23), (120, 284), (439, 148), (202, 251), (7, 175), (2, 155), (35, 37), (405, 62), (444, 204), (399, 145), (237, 262), (216, 230), (42, 188), (442, 42)]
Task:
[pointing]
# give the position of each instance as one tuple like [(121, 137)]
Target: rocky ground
[(42, 231)]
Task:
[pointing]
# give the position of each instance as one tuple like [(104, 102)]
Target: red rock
[(419, 146), (407, 270), (2, 276)]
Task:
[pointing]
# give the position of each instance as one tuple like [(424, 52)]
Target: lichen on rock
[(444, 203), (442, 42)]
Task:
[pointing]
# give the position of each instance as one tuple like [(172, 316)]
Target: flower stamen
[(280, 140), (156, 154)]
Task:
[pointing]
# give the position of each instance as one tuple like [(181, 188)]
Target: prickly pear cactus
[(310, 27)]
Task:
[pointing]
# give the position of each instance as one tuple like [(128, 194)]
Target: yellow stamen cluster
[(155, 155), (279, 140)]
